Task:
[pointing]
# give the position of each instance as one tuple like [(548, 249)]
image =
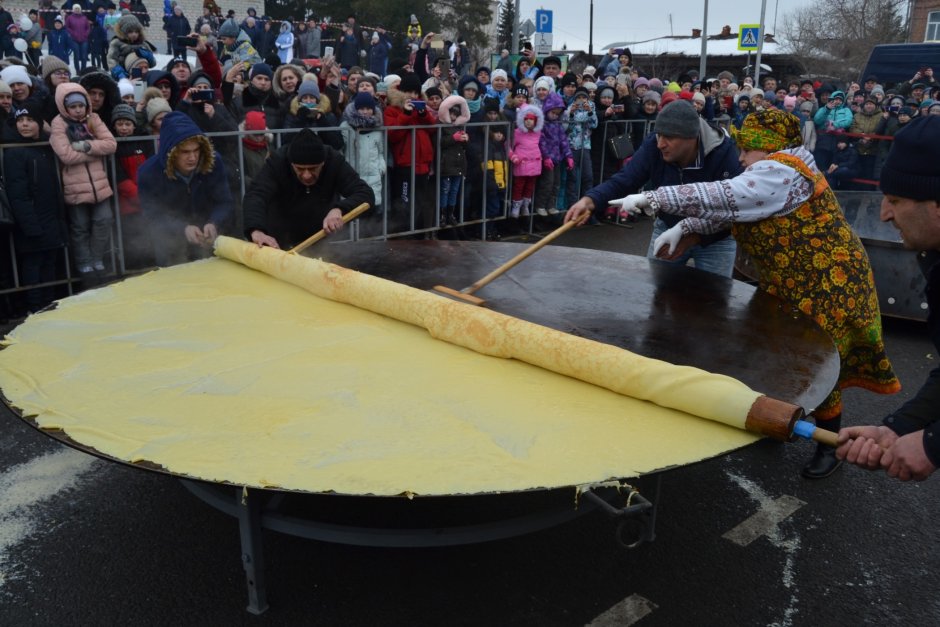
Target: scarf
[(475, 105)]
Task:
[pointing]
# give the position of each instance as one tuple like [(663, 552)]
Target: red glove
[(570, 163), (549, 164)]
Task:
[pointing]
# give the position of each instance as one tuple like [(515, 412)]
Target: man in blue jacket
[(184, 192), (907, 445), (684, 149)]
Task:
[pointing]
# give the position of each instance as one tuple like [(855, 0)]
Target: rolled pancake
[(214, 371)]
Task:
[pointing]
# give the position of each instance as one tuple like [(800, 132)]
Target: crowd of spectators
[(439, 139)]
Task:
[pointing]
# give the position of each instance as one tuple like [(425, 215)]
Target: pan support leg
[(249, 505)]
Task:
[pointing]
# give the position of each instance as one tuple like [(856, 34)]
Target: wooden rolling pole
[(466, 294), (316, 237)]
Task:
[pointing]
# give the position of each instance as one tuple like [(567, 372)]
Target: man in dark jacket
[(184, 192), (684, 149), (305, 186), (907, 445)]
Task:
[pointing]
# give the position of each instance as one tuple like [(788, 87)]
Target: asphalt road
[(741, 540)]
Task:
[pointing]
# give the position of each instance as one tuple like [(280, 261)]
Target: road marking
[(765, 521), (27, 485), (625, 613)]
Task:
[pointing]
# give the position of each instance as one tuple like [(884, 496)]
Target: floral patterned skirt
[(812, 259)]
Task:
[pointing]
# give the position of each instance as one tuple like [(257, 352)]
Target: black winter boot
[(823, 462)]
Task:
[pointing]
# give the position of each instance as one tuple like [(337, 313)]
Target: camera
[(137, 72), (201, 95), (187, 42), (419, 105), (618, 108)]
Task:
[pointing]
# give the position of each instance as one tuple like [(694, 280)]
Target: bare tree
[(835, 38)]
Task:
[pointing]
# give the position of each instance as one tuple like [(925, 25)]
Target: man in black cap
[(305, 186), (684, 149), (907, 444)]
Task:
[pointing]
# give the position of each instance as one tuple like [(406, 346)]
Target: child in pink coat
[(526, 158)]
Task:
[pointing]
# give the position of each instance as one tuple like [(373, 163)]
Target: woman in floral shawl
[(784, 215)]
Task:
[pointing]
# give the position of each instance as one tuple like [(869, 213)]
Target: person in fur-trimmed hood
[(81, 140), (526, 158), (129, 38), (453, 111), (184, 192), (311, 109)]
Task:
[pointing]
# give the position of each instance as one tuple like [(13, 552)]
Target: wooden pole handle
[(531, 250), (316, 237), (826, 437)]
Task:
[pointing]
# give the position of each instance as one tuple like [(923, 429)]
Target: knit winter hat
[(726, 74), (910, 170), (200, 79), (678, 119), (498, 74), (229, 29), (430, 92), (409, 82), (156, 106), (700, 97), (255, 121), (652, 95), (667, 97), (789, 100), (364, 100), (32, 108), (309, 88), (520, 90), (51, 63), (769, 130), (261, 69), (641, 82), (123, 112), (125, 87), (546, 82), (5, 89), (75, 98), (306, 149), (567, 79), (15, 74), (606, 92)]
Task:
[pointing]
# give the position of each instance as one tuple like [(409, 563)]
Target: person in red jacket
[(405, 109), (130, 155)]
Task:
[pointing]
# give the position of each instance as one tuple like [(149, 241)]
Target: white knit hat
[(497, 73), (15, 74), (126, 87)]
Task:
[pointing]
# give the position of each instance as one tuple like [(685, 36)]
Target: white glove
[(668, 239), (634, 204), (81, 146)]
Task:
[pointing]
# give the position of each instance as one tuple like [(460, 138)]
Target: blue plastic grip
[(804, 429)]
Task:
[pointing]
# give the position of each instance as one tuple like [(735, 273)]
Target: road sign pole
[(517, 22), (760, 44), (701, 63)]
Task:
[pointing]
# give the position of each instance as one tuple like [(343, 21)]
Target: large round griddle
[(672, 313)]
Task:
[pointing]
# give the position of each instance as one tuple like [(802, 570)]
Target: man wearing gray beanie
[(907, 444), (683, 148)]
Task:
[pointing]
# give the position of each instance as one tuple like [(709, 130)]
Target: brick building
[(925, 21)]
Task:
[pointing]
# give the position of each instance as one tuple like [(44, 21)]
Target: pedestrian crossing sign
[(748, 36)]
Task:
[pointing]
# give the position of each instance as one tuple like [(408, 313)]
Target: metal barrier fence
[(396, 216)]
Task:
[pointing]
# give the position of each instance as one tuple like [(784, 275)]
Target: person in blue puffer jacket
[(830, 120)]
